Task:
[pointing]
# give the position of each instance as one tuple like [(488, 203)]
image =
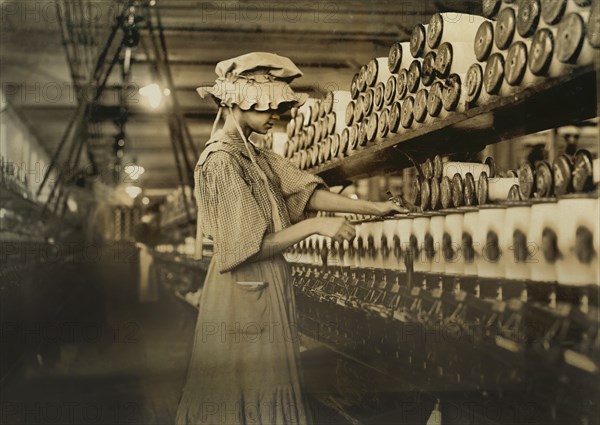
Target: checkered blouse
[(233, 205)]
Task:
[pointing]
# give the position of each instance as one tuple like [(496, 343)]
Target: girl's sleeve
[(297, 186), (229, 212)]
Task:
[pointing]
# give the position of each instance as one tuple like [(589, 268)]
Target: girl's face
[(260, 121)]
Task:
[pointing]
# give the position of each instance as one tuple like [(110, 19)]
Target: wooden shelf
[(550, 104)]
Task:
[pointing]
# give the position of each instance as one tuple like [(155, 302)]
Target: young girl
[(253, 203)]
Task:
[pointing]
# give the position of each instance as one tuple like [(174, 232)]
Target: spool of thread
[(484, 41), (353, 138), (446, 192), (451, 242), (493, 76), (372, 126), (344, 141), (418, 41), (554, 10), (359, 109), (428, 69), (470, 190), (407, 112), (572, 47), (402, 84), (586, 171), (378, 97), (457, 187), (436, 195), (354, 87), (378, 71), (315, 110), (505, 31), (476, 95), (490, 8), (467, 248), (425, 195), (368, 102), (578, 240), (362, 133), (404, 231), (452, 27), (414, 76), (324, 126), (454, 93), (392, 247), (421, 117), (491, 239), (420, 230), (335, 145), (399, 57), (394, 119), (349, 113), (436, 231), (543, 233), (291, 128), (362, 79), (454, 58), (389, 94), (515, 68), (517, 224), (435, 105), (383, 125)]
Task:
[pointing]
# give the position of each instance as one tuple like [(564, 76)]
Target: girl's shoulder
[(217, 151)]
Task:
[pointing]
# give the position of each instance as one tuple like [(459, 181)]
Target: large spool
[(418, 41), (399, 57), (383, 125), (578, 240), (378, 71), (491, 240), (393, 255), (404, 231), (452, 241), (436, 231), (543, 237), (420, 229), (476, 95), (452, 27), (407, 112), (518, 215), (454, 58), (414, 76), (468, 249)]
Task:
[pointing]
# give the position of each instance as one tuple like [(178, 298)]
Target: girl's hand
[(388, 208), (336, 228)]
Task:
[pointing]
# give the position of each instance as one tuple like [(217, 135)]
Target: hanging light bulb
[(133, 191), (134, 171), (153, 93)]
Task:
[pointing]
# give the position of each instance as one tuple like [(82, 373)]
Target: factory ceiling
[(50, 49)]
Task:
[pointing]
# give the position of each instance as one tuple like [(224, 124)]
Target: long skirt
[(245, 365)]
